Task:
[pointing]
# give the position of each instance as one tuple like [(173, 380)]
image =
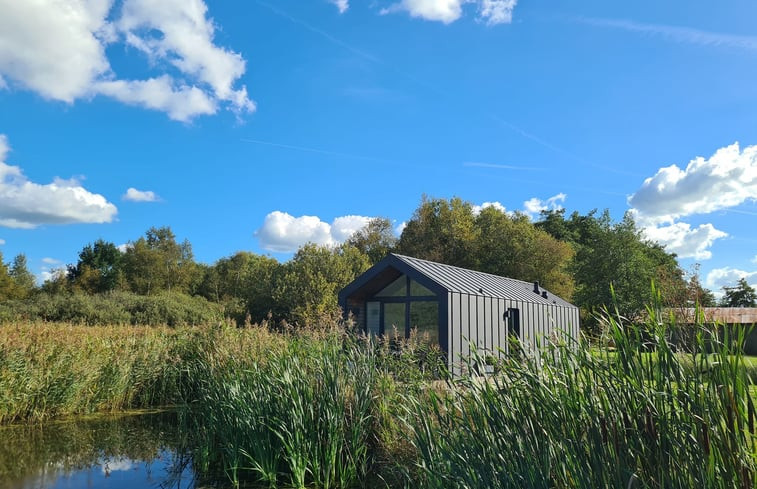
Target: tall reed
[(638, 415)]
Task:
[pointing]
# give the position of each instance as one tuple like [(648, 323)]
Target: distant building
[(725, 316), (456, 308)]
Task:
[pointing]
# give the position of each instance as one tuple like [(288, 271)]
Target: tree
[(614, 265), (742, 295), (244, 277), (442, 231), (8, 288), (511, 246), (448, 231), (376, 239), (99, 269), (157, 262), (22, 277), (307, 286)]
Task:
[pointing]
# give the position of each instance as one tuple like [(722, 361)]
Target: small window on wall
[(398, 288), (417, 290)]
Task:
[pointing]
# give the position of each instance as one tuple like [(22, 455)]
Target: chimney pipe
[(536, 287), (544, 293)]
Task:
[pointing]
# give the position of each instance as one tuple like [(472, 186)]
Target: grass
[(328, 409)]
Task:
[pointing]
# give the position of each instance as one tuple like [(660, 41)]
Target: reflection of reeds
[(67, 446)]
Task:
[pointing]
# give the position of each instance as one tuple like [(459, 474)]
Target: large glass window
[(398, 288), (394, 319), (424, 319), (417, 290)]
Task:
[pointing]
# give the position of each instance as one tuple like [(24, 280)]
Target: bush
[(113, 308)]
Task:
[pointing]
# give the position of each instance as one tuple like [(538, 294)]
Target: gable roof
[(456, 279)]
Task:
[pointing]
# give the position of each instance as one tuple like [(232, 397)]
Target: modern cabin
[(456, 308)]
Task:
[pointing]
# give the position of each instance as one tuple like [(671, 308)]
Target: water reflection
[(145, 450)]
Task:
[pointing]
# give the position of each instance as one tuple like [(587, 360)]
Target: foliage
[(441, 230), (157, 262), (491, 241), (511, 246), (376, 239), (170, 309), (242, 282), (308, 284), (742, 295), (99, 269), (614, 256)]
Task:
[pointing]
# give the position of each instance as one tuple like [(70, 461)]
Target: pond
[(134, 450)]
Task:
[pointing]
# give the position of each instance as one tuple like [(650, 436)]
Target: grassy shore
[(325, 408)]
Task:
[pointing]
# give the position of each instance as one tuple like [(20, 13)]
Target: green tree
[(158, 262), (614, 255), (99, 268), (307, 286), (22, 277), (741, 295), (8, 287), (376, 239), (246, 278), (511, 246), (441, 230)]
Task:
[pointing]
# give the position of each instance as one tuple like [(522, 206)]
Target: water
[(144, 450)]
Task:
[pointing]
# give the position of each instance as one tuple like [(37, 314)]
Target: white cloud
[(135, 195), (46, 274), (754, 260), (2, 242), (497, 205), (25, 204), (57, 49), (533, 206), (681, 239), (342, 5), (727, 277), (181, 103), (50, 261), (400, 227), (123, 247), (282, 232), (344, 227), (448, 11), (726, 179)]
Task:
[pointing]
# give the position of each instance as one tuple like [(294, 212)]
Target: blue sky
[(261, 125)]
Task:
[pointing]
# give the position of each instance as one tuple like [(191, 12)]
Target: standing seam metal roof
[(466, 281)]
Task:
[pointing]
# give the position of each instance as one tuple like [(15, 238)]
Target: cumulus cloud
[(2, 242), (447, 11), (50, 261), (681, 239), (497, 205), (135, 195), (342, 5), (58, 50), (282, 232), (25, 204), (727, 277), (533, 206), (727, 179)]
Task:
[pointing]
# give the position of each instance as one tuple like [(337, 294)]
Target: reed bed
[(329, 409), (638, 416)]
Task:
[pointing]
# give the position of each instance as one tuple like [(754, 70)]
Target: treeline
[(582, 258)]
